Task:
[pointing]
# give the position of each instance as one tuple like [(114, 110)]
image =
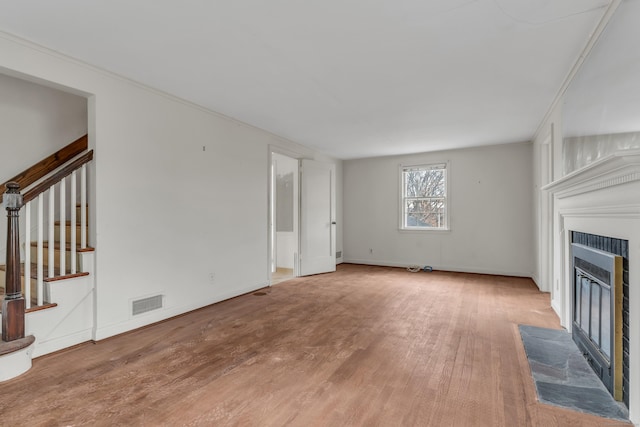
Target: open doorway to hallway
[(284, 217)]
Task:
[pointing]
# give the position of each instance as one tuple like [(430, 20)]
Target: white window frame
[(447, 197)]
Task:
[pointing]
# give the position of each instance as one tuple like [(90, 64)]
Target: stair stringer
[(71, 321)]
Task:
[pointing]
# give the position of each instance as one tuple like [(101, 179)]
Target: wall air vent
[(145, 305), (339, 254)]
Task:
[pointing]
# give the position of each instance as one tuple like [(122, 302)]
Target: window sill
[(423, 230)]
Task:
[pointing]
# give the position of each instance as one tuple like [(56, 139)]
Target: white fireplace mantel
[(603, 198), (616, 169)]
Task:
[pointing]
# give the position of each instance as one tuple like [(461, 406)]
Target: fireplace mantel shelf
[(616, 169)]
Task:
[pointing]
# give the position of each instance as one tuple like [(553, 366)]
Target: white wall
[(491, 212), (35, 121), (168, 217), (581, 151)]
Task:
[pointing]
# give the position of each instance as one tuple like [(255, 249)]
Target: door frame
[(271, 253)]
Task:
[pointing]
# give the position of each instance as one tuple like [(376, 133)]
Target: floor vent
[(145, 305)]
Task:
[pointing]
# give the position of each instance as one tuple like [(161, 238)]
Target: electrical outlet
[(212, 278), (370, 250)]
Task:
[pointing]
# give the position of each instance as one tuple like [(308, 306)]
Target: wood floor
[(281, 275), (363, 346)]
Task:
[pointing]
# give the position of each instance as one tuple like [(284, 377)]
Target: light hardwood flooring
[(281, 275), (366, 345)]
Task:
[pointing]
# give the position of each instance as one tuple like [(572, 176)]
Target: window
[(424, 197)]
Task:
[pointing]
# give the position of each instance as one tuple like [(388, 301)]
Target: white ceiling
[(352, 78)]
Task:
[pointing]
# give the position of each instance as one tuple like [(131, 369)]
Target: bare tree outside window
[(424, 201)]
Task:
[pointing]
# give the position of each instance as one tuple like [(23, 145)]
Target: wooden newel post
[(13, 304)]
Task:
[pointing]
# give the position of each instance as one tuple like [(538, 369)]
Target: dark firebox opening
[(593, 308)]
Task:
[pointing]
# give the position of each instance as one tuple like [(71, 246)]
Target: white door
[(317, 218)]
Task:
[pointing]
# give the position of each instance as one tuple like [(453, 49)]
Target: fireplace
[(597, 308), (601, 199)]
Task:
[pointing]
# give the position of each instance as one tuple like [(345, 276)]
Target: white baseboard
[(456, 269), (167, 313), (46, 347), (555, 308)]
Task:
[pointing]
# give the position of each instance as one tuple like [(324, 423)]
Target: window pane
[(425, 213), (425, 183)]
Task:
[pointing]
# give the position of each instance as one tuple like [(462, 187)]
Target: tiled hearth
[(563, 377)]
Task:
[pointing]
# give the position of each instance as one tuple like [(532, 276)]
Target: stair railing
[(37, 195), (62, 169)]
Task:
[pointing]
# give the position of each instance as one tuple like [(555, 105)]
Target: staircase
[(59, 226), (47, 284)]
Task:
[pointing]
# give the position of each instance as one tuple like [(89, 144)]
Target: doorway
[(284, 217)]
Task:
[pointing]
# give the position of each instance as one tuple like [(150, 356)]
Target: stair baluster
[(63, 235), (27, 255), (51, 240), (73, 223), (40, 250), (83, 207)]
